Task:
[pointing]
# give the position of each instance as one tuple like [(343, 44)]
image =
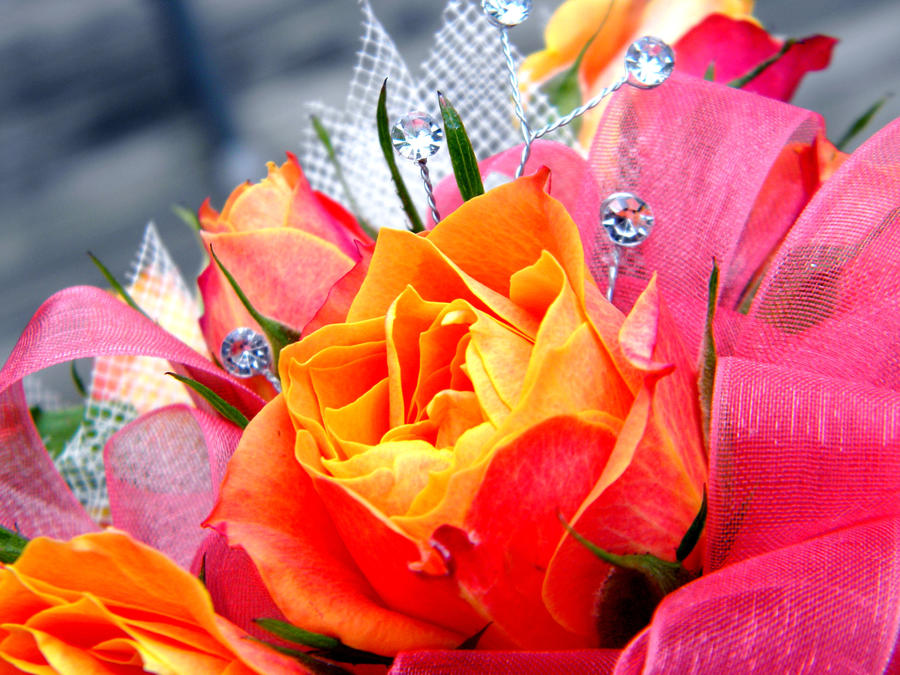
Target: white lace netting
[(123, 387), (466, 63)]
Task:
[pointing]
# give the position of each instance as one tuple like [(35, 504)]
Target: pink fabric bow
[(801, 551)]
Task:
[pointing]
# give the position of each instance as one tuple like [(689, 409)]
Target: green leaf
[(708, 361), (219, 404), (758, 70), (201, 575), (462, 156), (861, 123), (56, 427), (472, 642), (117, 287), (77, 381), (313, 664), (564, 91), (664, 575), (11, 545), (324, 137), (278, 334), (187, 216), (692, 536), (328, 647), (710, 74), (290, 633), (387, 148)]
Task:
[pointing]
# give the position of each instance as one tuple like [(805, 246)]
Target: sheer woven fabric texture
[(466, 64)]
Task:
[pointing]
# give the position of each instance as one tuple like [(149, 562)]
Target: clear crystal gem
[(627, 218), (506, 12), (649, 62), (245, 353), (417, 136)]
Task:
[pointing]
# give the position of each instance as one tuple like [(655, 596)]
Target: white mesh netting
[(466, 64), (123, 387)]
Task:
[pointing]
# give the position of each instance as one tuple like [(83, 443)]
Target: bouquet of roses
[(632, 408)]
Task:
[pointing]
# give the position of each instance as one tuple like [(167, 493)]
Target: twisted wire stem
[(580, 110), (527, 136), (613, 273), (273, 379), (429, 190)]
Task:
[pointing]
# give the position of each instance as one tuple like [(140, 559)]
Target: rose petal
[(567, 170), (478, 236), (299, 553), (737, 47), (265, 263), (512, 527)]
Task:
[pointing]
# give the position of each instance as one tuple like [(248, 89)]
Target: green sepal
[(311, 663), (325, 139), (758, 70), (56, 427), (11, 545), (692, 536), (201, 575), (278, 334), (462, 156), (117, 287), (187, 216), (710, 74), (219, 404), (387, 148), (861, 122), (707, 378), (77, 381), (564, 90), (471, 643), (328, 647), (291, 633), (663, 575)]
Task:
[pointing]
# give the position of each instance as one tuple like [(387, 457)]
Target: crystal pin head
[(506, 13), (649, 62), (245, 353), (627, 218), (416, 136)]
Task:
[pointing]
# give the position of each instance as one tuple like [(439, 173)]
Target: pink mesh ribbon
[(163, 469), (802, 546)]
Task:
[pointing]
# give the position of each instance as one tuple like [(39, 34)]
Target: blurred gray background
[(111, 111)]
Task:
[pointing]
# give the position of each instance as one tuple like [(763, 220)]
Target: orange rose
[(103, 603), (417, 461), (277, 234)]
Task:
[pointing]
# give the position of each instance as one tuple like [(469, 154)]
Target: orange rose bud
[(418, 460), (284, 243), (104, 603)]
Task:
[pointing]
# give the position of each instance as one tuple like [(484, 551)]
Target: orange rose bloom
[(274, 236), (416, 463), (104, 603)]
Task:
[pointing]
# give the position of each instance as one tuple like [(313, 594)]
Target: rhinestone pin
[(627, 218), (649, 62), (506, 13), (245, 353), (416, 136)]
